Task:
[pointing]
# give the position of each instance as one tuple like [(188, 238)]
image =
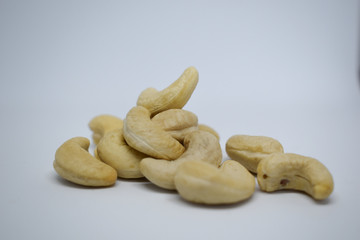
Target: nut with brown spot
[(293, 171)]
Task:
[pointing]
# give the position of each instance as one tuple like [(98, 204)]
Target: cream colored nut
[(177, 122), (293, 171), (147, 137), (209, 129), (74, 163), (174, 96), (114, 151), (201, 182), (250, 150), (102, 124), (200, 146)]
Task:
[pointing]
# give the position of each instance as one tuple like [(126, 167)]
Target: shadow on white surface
[(61, 181), (153, 188), (182, 201), (327, 201)]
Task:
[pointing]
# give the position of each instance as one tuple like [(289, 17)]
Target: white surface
[(285, 69)]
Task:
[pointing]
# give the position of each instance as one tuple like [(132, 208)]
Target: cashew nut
[(201, 182), (149, 138), (200, 146), (114, 151), (250, 150), (74, 163), (174, 96), (293, 171), (177, 122), (102, 124), (209, 129)]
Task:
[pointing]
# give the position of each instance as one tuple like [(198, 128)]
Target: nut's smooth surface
[(293, 171), (149, 138), (74, 163), (200, 146), (206, 128), (250, 150), (102, 124), (177, 122), (201, 182), (114, 151), (174, 96)]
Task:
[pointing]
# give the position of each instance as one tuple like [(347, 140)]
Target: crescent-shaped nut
[(74, 163), (147, 137), (200, 146), (201, 182), (102, 124), (174, 96), (250, 150), (177, 122), (297, 172), (209, 129), (114, 151)]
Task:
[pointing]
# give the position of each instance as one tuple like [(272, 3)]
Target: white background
[(284, 69)]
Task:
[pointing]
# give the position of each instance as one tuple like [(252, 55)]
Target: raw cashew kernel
[(250, 150), (149, 138), (174, 96), (74, 163), (293, 171), (200, 146), (201, 182), (114, 151), (209, 129), (102, 124), (177, 122)]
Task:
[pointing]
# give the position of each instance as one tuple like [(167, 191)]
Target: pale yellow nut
[(74, 163), (114, 151), (177, 122), (149, 138), (102, 124), (292, 171), (201, 182), (209, 129), (250, 150), (200, 146), (174, 96)]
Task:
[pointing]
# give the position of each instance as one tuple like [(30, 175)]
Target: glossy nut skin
[(200, 146), (203, 183), (114, 151), (149, 138), (74, 163), (293, 171), (174, 96), (250, 150)]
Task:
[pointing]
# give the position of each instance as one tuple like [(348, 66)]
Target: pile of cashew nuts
[(164, 143)]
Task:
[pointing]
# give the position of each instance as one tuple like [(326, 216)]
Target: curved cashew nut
[(114, 151), (149, 138), (74, 163), (102, 124), (293, 171), (177, 122), (250, 150), (209, 129), (200, 146), (201, 182), (174, 96)]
